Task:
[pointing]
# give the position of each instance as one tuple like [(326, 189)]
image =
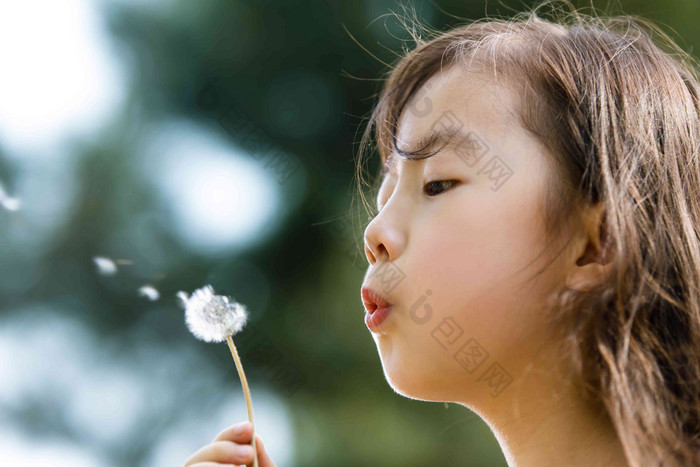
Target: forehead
[(489, 113), (455, 102), (474, 99)]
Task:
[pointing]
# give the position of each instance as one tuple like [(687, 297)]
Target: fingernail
[(245, 451), (239, 429)]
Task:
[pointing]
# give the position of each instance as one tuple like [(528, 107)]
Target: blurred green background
[(173, 144)]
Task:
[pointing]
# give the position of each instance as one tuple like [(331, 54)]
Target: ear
[(591, 256)]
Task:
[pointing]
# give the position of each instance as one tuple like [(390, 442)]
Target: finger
[(238, 433), (225, 452), (264, 459), (211, 464)]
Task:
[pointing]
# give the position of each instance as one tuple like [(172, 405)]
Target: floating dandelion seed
[(149, 292), (105, 266), (215, 318), (11, 204)]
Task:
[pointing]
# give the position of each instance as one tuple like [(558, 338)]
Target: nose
[(384, 238), (373, 257)]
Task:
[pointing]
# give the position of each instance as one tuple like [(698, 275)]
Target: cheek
[(476, 245), (476, 258)]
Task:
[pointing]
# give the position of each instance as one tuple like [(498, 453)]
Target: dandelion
[(149, 292), (105, 266), (215, 318)]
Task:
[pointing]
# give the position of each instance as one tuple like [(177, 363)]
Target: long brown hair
[(615, 102)]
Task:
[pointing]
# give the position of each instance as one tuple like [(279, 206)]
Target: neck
[(543, 420)]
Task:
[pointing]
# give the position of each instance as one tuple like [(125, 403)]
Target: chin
[(431, 380), (411, 390), (412, 381)]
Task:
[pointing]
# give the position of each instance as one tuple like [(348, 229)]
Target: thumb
[(264, 459)]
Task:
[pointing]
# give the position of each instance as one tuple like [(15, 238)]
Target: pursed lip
[(373, 300)]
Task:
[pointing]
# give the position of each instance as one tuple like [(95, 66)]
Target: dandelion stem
[(246, 392)]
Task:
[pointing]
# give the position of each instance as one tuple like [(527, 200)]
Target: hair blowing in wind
[(615, 102)]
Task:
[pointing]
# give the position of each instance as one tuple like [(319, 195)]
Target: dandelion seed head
[(149, 292), (210, 317), (105, 266)]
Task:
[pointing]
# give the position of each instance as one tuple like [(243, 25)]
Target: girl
[(535, 256)]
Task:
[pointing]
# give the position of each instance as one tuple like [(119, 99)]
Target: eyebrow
[(428, 142)]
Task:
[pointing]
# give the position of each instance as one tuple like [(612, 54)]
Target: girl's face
[(454, 243)]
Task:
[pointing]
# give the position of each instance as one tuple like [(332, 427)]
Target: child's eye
[(437, 184)]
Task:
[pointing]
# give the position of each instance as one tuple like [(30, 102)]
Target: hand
[(231, 447)]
